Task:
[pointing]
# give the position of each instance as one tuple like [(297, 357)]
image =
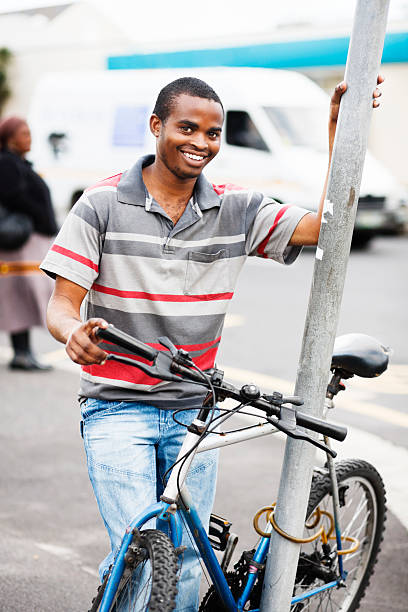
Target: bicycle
[(346, 510)]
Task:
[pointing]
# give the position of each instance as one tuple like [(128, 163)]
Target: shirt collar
[(132, 190)]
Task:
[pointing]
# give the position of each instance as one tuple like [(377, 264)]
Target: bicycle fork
[(336, 508), (334, 387)]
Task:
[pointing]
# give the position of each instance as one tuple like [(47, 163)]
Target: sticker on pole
[(319, 253), (327, 210)]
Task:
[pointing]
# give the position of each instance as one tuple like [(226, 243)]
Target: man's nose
[(199, 141)]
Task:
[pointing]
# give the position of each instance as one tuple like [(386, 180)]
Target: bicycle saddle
[(359, 354)]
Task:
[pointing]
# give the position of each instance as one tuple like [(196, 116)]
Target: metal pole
[(332, 253)]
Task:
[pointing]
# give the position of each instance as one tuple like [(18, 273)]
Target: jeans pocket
[(93, 407)]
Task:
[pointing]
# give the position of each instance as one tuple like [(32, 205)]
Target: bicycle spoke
[(334, 603), (357, 512), (361, 517), (357, 553), (320, 602), (358, 530), (306, 605)]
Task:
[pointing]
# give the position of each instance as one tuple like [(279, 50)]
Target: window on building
[(129, 127)]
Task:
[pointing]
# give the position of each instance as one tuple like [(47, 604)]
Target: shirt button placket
[(168, 246)]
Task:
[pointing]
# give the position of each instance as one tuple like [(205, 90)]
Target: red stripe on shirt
[(262, 246), (75, 256), (220, 189), (115, 370), (192, 347), (161, 297), (111, 181), (186, 347), (207, 359)]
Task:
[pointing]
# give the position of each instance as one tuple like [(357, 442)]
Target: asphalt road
[(52, 537)]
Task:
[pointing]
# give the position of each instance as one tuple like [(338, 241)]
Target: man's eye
[(213, 134), (186, 129)]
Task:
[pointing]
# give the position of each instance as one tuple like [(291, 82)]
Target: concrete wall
[(79, 38)]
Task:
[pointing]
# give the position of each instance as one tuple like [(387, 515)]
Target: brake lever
[(160, 369), (180, 356), (167, 343), (298, 434)]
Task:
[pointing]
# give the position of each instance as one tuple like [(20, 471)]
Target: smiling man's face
[(190, 136)]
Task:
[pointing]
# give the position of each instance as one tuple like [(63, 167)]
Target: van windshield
[(300, 127)]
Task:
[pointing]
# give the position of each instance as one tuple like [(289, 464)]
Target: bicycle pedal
[(219, 532), (232, 542)]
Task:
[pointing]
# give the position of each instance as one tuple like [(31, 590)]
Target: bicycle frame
[(170, 512)]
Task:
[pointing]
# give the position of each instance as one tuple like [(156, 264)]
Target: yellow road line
[(375, 411), (393, 382), (56, 356)]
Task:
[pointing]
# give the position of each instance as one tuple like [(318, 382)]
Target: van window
[(300, 127), (129, 126), (242, 132)]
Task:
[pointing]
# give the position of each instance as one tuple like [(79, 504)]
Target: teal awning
[(291, 54)]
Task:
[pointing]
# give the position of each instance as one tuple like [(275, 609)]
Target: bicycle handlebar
[(175, 364), (337, 432), (112, 334)]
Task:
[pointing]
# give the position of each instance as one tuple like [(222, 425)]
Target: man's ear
[(155, 125)]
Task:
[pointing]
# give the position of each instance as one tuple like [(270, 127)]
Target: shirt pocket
[(207, 273)]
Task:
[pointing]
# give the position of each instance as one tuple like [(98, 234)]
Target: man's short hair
[(186, 85)]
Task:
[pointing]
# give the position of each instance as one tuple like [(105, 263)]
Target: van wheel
[(361, 241)]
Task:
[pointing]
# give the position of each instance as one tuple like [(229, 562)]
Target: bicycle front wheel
[(362, 516), (149, 581)]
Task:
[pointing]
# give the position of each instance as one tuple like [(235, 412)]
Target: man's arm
[(64, 323), (307, 231)]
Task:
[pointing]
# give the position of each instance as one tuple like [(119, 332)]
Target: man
[(156, 251)]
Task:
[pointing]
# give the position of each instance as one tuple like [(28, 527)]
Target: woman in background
[(24, 289)]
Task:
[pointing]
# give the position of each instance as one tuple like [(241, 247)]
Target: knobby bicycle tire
[(362, 506), (149, 581), (363, 516)]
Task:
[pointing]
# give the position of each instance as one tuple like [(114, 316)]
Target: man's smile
[(194, 157)]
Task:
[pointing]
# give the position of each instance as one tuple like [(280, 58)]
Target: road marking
[(270, 383), (57, 358), (67, 554), (393, 381), (390, 460), (5, 353), (233, 320), (60, 360)]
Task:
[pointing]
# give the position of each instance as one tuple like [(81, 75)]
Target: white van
[(88, 126)]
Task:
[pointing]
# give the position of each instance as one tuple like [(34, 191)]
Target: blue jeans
[(129, 446)]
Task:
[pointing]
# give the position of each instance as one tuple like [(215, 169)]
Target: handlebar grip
[(127, 342), (337, 432)]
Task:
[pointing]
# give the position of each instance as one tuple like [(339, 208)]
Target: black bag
[(15, 229)]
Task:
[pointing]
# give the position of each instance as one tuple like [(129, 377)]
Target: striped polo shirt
[(152, 278)]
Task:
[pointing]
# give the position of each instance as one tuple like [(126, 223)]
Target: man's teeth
[(191, 156)]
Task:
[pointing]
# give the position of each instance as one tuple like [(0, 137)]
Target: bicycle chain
[(236, 581)]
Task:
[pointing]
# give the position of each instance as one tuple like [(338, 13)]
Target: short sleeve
[(76, 251), (271, 229)]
